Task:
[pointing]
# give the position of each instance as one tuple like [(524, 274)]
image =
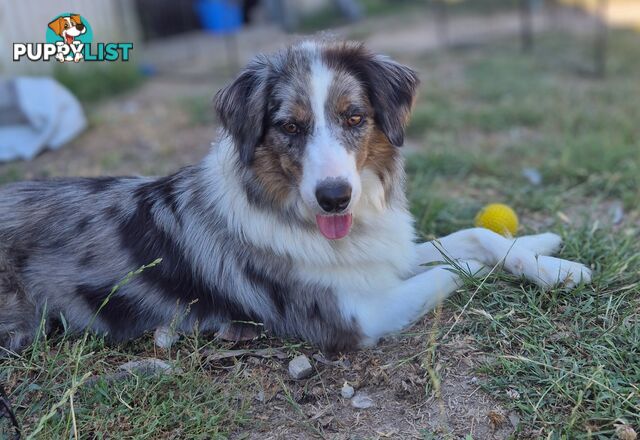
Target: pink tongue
[(334, 227)]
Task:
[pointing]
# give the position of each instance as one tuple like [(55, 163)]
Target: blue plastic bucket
[(219, 16)]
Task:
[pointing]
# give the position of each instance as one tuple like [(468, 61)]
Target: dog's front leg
[(526, 256), (396, 309), (465, 244)]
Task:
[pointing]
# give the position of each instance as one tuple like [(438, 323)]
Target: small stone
[(625, 432), (474, 381), (300, 367), (347, 391), (514, 419), (142, 367), (617, 213), (147, 367), (362, 401), (532, 175)]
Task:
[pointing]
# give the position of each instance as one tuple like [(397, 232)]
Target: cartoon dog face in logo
[(68, 28)]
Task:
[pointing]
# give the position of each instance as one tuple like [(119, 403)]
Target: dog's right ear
[(392, 90), (57, 25), (241, 107)]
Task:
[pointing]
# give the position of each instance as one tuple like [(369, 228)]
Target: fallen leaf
[(496, 418)]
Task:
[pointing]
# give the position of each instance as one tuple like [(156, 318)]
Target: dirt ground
[(406, 402), (152, 131)]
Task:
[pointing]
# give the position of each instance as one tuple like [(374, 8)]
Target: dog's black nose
[(80, 27), (333, 196)]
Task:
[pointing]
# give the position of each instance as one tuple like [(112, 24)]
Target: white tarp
[(36, 113)]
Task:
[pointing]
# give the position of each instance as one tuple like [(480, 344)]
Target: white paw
[(540, 244), (553, 271), (60, 57), (78, 56), (165, 337)]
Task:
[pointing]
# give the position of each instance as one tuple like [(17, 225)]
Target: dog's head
[(315, 124), (68, 27)]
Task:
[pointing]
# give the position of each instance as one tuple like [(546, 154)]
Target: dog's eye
[(290, 128), (354, 120), (66, 25)]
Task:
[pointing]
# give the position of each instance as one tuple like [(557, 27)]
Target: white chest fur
[(378, 253)]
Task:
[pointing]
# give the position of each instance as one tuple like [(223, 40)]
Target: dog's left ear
[(76, 19), (56, 25), (392, 90), (241, 107)]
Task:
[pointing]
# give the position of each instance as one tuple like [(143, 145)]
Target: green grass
[(10, 174), (192, 403), (329, 16), (529, 112), (61, 388), (199, 109), (93, 83), (572, 356)]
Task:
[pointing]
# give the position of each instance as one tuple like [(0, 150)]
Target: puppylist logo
[(69, 38)]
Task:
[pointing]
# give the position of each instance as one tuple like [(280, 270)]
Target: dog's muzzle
[(334, 197)]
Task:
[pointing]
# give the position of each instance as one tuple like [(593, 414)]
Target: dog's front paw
[(540, 244), (60, 57), (78, 56), (553, 272)]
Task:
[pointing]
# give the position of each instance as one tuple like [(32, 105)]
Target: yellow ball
[(498, 218)]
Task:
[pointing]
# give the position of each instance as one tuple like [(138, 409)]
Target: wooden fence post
[(442, 21), (601, 42), (526, 25)]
